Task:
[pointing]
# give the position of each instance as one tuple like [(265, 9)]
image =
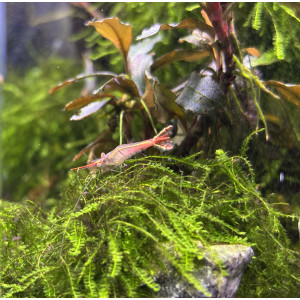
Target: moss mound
[(113, 231)]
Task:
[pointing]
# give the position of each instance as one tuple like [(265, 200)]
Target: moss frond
[(116, 257), (89, 282), (284, 21), (258, 10), (77, 238)]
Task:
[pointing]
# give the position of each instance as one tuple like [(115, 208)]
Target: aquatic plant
[(35, 150), (216, 107), (115, 236)]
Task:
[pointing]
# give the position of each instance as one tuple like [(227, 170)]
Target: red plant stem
[(214, 12)]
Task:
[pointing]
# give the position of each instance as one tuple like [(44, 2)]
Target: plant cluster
[(214, 108), (35, 147), (112, 234), (117, 239)]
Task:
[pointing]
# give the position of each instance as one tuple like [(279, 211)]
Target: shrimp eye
[(98, 165)]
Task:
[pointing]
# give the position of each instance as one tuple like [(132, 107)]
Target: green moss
[(113, 234), (35, 134)]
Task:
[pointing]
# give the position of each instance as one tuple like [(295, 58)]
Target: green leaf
[(192, 7), (267, 58)]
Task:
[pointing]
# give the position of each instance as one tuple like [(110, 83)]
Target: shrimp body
[(123, 152)]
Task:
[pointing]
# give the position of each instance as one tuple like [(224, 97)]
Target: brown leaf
[(205, 17), (186, 23), (122, 84), (281, 131), (85, 100), (161, 102), (167, 109), (253, 51), (191, 23), (79, 77), (118, 33), (289, 92), (179, 54), (148, 96)]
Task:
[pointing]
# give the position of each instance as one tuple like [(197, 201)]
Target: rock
[(221, 283)]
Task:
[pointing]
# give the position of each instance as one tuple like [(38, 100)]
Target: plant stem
[(149, 115), (214, 12), (121, 126)]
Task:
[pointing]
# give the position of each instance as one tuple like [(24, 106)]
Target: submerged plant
[(35, 155), (217, 105), (130, 226), (117, 232)]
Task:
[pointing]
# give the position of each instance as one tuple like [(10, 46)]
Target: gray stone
[(220, 274)]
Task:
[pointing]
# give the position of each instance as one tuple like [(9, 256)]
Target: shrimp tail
[(162, 140)]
